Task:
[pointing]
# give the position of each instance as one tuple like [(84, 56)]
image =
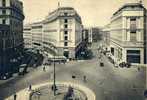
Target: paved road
[(108, 82)]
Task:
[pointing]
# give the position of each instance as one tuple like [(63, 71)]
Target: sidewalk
[(5, 81), (24, 94), (15, 76)]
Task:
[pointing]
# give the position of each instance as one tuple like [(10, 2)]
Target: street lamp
[(54, 88), (54, 77)]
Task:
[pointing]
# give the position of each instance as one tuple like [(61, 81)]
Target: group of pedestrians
[(100, 55), (15, 95), (84, 78)]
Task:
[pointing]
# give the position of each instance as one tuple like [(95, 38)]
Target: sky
[(92, 12)]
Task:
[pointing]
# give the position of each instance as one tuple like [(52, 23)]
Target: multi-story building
[(60, 32), (11, 33), (36, 31), (106, 36), (27, 37), (128, 33), (85, 34), (93, 34)]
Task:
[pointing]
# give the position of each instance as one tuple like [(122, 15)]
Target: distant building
[(11, 34), (36, 32), (128, 36), (60, 32), (85, 34), (27, 37), (106, 36), (94, 34)]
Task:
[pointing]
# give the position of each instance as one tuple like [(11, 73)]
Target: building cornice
[(58, 14), (139, 5)]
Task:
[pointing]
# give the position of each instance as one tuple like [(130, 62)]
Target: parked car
[(5, 76), (101, 64), (125, 64), (116, 65), (58, 59), (122, 64), (128, 65), (48, 63)]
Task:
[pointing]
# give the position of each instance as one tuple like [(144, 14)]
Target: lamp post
[(54, 77), (54, 88)]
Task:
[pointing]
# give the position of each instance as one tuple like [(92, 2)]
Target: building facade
[(128, 33), (60, 32), (106, 36), (11, 34), (94, 34), (36, 32), (27, 36)]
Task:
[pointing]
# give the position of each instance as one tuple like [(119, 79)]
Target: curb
[(24, 94)]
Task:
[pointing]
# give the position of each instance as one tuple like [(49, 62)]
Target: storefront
[(133, 56)]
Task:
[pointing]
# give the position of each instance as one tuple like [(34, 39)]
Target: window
[(65, 14), (65, 38), (133, 56), (3, 21), (3, 12), (66, 26), (112, 51), (133, 36), (65, 43), (3, 32), (133, 25), (66, 54), (65, 32), (4, 3), (65, 21), (133, 19)]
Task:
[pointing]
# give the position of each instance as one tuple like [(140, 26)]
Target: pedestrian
[(84, 77), (138, 68), (86, 98), (44, 68), (30, 87), (99, 56), (15, 96), (64, 61)]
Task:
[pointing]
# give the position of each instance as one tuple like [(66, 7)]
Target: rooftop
[(129, 5)]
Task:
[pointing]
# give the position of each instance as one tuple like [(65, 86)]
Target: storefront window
[(133, 56)]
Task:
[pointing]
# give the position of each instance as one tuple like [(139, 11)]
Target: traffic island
[(63, 92)]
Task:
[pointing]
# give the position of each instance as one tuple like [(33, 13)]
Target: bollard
[(15, 96)]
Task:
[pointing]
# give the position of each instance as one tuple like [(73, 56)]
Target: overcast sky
[(92, 12)]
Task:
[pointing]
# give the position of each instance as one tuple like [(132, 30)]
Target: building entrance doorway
[(66, 54), (112, 51)]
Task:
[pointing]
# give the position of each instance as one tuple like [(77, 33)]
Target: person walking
[(15, 96), (30, 87), (84, 78), (44, 69)]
